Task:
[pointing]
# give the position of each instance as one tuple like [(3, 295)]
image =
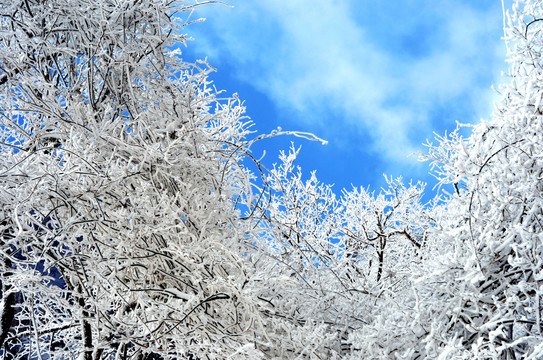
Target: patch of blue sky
[(14, 128), (375, 79)]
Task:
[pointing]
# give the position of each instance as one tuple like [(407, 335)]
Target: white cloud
[(310, 57)]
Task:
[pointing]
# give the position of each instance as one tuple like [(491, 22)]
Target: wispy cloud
[(381, 70)]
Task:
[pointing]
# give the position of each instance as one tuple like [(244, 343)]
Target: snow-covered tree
[(477, 292), (340, 260), (469, 283), (119, 168), (133, 228)]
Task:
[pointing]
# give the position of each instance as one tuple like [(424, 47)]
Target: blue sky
[(374, 78)]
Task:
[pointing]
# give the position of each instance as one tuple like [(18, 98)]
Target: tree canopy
[(136, 223)]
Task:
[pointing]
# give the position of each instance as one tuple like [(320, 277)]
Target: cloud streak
[(395, 79)]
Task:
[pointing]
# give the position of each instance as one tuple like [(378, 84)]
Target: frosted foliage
[(339, 260), (477, 291), (118, 166), (456, 280), (136, 223)]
